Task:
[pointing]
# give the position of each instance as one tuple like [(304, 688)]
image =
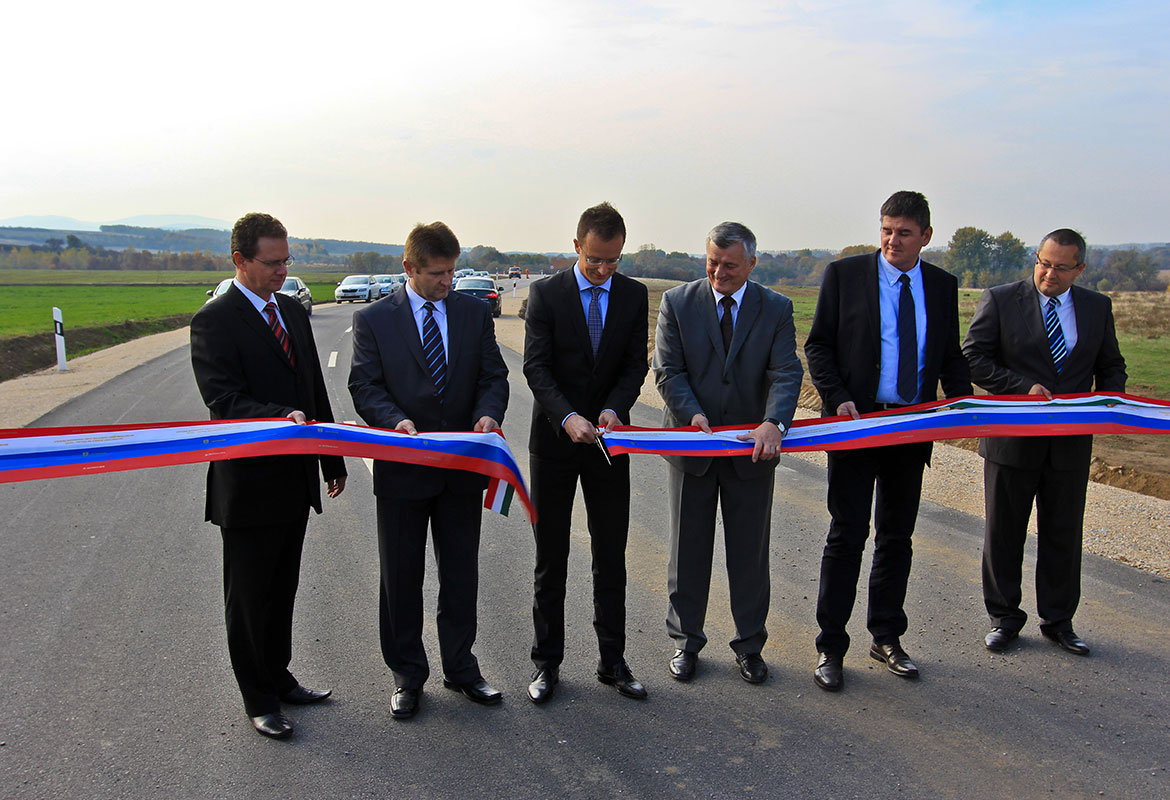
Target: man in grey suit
[(725, 354), (1040, 336)]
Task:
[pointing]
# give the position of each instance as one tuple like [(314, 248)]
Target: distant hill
[(49, 222), (173, 222)]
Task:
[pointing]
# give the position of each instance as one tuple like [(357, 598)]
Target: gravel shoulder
[(1120, 525)]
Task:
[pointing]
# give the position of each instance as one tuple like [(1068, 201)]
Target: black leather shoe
[(620, 677), (477, 690), (274, 726), (998, 640), (830, 672), (895, 658), (302, 696), (1068, 640), (682, 665), (544, 681), (752, 667), (404, 703)]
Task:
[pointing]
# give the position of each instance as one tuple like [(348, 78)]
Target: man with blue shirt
[(585, 345), (885, 334)]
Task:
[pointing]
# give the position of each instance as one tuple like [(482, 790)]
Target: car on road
[(357, 287), (483, 288), (514, 272), (464, 273), (389, 283), (297, 290)]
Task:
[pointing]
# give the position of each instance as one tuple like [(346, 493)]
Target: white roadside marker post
[(59, 335)]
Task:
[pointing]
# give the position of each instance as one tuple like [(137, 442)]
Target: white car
[(357, 287)]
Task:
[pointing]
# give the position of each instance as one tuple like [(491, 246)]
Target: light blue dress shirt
[(889, 293), (259, 303), (1067, 315), (583, 286), (420, 314)]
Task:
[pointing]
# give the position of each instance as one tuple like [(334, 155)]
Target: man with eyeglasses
[(724, 354), (1041, 336), (253, 355), (585, 345)]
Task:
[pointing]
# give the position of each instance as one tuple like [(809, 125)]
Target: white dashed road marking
[(333, 359)]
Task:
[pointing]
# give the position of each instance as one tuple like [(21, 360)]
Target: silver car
[(296, 289), (357, 287)]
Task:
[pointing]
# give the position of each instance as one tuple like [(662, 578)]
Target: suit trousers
[(454, 520), (1060, 510), (606, 490), (746, 505), (261, 569), (896, 471)]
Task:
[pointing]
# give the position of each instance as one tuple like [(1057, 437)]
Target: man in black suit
[(425, 359), (1040, 336), (585, 360), (253, 354), (724, 354), (886, 331)]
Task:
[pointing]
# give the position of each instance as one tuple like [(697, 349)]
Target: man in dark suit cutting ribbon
[(585, 360), (253, 354)]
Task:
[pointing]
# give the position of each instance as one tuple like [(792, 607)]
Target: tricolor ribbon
[(960, 418), (35, 453)]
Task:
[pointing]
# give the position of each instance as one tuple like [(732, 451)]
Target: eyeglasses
[(597, 262), (1056, 267), (276, 262)]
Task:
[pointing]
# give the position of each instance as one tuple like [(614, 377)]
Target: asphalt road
[(116, 682)]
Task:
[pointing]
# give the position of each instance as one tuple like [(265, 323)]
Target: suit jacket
[(1007, 347), (843, 349), (389, 382), (758, 379), (243, 373), (559, 364)]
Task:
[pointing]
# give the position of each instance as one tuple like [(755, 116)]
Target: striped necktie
[(280, 333), (1055, 333), (432, 344)]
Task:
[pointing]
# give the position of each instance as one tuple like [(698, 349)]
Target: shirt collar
[(737, 295), (583, 283), (417, 301), (892, 273), (254, 298)]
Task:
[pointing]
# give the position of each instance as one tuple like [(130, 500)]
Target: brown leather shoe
[(895, 659), (830, 672)]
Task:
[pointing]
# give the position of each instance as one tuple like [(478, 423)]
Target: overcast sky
[(506, 119)]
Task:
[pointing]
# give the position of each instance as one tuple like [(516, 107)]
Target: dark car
[(296, 289), (483, 288)]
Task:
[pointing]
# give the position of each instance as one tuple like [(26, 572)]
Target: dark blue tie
[(907, 343), (432, 343), (1055, 333), (593, 321)]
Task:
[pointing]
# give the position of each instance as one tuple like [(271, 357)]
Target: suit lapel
[(571, 297), (749, 312), (933, 297), (872, 305), (252, 320), (615, 314), (705, 299), (404, 325)]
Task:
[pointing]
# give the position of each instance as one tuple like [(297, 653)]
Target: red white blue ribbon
[(36, 453), (960, 418)]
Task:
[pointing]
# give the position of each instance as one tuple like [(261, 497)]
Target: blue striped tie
[(432, 344), (1055, 334), (593, 321)]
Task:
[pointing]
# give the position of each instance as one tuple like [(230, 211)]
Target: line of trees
[(75, 254)]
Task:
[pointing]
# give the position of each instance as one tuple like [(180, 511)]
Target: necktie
[(727, 323), (593, 321), (1055, 333), (280, 333), (907, 343), (432, 344)]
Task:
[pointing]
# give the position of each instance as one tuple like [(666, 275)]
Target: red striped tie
[(280, 333)]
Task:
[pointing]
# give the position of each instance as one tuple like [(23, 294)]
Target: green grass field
[(29, 309)]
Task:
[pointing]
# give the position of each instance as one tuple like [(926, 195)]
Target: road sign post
[(59, 335)]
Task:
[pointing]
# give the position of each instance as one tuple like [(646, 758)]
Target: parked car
[(464, 273), (219, 289), (296, 289), (483, 288), (514, 272), (357, 287)]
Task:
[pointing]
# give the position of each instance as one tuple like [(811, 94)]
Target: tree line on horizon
[(974, 256)]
